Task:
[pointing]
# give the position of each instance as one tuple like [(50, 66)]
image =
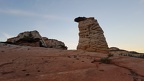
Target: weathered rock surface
[(24, 63), (53, 43), (33, 38), (91, 37)]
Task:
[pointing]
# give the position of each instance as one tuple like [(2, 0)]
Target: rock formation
[(53, 43), (117, 51), (33, 38), (91, 36)]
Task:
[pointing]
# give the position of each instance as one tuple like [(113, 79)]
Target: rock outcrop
[(91, 37), (117, 51), (33, 38), (53, 43)]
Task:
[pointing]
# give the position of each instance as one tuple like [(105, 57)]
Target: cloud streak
[(31, 14)]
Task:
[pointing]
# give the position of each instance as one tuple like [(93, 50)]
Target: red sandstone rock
[(22, 63)]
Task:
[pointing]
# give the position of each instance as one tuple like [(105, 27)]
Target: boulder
[(33, 38), (91, 37)]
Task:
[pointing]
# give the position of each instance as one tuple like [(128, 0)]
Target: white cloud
[(6, 35)]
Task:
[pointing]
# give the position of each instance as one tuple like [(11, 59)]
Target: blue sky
[(121, 20)]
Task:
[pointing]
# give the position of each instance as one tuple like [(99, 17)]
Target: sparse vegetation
[(107, 59)]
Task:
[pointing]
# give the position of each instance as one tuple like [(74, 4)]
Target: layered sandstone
[(33, 38), (91, 37)]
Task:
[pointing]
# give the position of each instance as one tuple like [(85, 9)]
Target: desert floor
[(23, 63)]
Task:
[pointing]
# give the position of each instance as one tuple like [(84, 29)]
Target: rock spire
[(91, 37)]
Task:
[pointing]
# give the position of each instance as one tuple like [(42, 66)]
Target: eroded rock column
[(91, 37)]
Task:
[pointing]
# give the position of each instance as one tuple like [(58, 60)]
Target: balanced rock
[(91, 37), (33, 38)]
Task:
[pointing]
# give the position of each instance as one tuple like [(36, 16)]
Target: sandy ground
[(23, 63)]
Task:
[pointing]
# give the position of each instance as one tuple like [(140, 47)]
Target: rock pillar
[(91, 37)]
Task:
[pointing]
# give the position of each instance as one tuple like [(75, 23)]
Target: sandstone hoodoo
[(33, 38), (91, 37)]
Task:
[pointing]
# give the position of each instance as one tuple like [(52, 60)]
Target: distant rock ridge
[(33, 38), (91, 37), (117, 51)]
